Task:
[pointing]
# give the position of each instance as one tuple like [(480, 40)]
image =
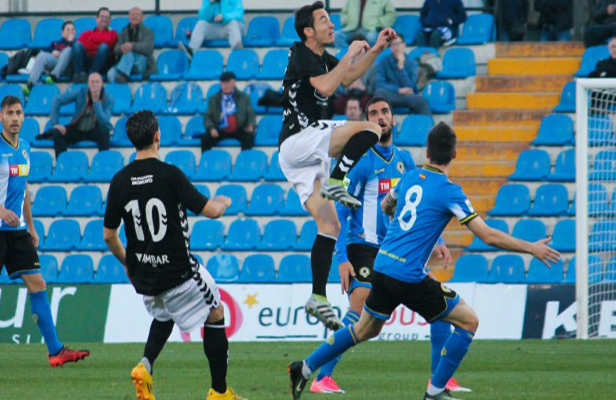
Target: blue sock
[(439, 333), (350, 318), (454, 351), (41, 312), (338, 343)]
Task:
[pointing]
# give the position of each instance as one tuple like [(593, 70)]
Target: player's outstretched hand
[(441, 251), (544, 253), (385, 36), (346, 272), (358, 47), (226, 201), (9, 217)]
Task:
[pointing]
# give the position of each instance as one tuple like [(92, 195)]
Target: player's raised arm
[(327, 83), (496, 238), (388, 205), (365, 61), (216, 207)]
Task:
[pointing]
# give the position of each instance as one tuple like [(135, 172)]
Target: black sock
[(321, 261), (352, 152), (216, 347), (159, 333)]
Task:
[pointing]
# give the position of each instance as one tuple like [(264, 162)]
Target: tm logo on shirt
[(385, 185), (18, 170)]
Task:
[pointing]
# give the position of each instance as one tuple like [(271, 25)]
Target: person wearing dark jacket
[(229, 115), (134, 49), (604, 14), (440, 22), (56, 58), (92, 118), (555, 19), (606, 68)]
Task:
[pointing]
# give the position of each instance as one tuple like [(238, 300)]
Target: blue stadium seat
[(185, 25), (76, 268), (417, 52), (409, 26), (511, 200), (238, 196), (47, 31), (120, 137), (224, 268), (105, 165), (50, 201), (595, 270), (274, 173), (550, 200), (479, 245), (205, 65), (4, 59), (92, 239), (119, 23), (49, 268), (267, 199), (256, 91), (471, 268), (458, 63), (4, 277), (63, 235), (183, 159), (84, 24), (538, 272), (336, 20), (294, 268), (555, 130), (110, 270), (611, 209), (268, 130), (214, 166), (478, 29), (186, 99), (40, 229), (41, 166), (507, 268), (244, 63), (274, 64), (211, 91), (602, 236), (592, 55), (530, 230), (604, 166), (29, 130), (414, 130), (72, 166), (564, 171), (292, 206), (12, 90), (279, 235), (39, 101), (172, 64), (162, 27), (307, 236), (207, 234), (258, 268), (441, 95), (193, 132), (15, 34), (597, 199), (150, 96), (250, 166), (263, 31), (289, 34), (85, 201), (600, 131), (532, 165), (244, 234), (122, 97), (610, 271), (567, 99), (563, 238), (170, 130)]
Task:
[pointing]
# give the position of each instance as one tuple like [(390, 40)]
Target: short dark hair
[(98, 13), (352, 99), (376, 99), (305, 19), (67, 23), (141, 128), (8, 101), (441, 144)]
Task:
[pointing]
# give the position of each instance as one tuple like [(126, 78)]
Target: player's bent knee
[(34, 282), (216, 314), (330, 228), (471, 322)]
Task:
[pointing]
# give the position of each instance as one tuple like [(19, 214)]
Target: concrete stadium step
[(470, 169), (512, 101), (515, 83), (458, 238), (489, 151), (539, 49), (478, 186), (496, 134), (534, 66), (493, 118)]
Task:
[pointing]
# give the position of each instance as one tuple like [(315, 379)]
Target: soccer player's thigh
[(342, 134), (21, 259), (381, 302), (323, 211), (429, 298), (463, 316)]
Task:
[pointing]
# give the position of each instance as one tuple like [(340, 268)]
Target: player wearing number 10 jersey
[(152, 197)]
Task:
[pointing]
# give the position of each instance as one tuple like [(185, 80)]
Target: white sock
[(306, 370), (146, 364), (433, 390)]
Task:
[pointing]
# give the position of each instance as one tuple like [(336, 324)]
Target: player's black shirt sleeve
[(187, 193), (113, 213), (308, 64)]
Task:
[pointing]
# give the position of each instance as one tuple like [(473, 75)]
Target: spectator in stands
[(134, 49), (218, 19), (606, 68), (55, 59), (353, 109), (92, 118), (229, 115), (93, 50), (604, 14), (362, 17), (555, 19), (396, 79), (440, 22)]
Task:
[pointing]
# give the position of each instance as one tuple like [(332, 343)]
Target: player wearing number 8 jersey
[(151, 198)]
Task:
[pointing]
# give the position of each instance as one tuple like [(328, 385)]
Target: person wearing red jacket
[(93, 50)]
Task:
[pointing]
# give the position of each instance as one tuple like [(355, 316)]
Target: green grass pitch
[(528, 369)]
